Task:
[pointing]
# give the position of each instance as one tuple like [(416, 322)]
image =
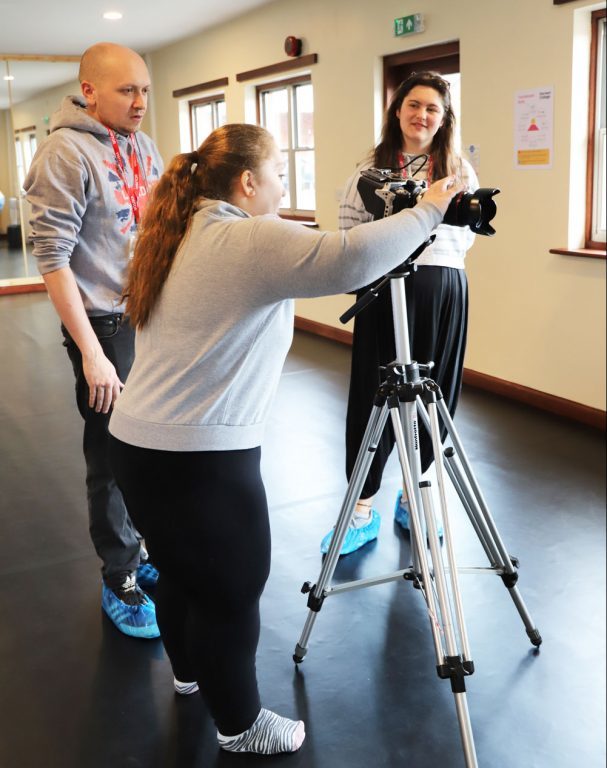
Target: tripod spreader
[(456, 669), (314, 602), (403, 384)]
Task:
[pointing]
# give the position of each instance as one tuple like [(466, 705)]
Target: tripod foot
[(535, 637), (299, 654)]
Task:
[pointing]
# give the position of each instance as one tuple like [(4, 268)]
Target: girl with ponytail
[(210, 292)]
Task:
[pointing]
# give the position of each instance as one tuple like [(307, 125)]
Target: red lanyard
[(132, 192), (405, 171)]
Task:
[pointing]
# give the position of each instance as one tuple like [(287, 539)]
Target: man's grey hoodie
[(81, 213)]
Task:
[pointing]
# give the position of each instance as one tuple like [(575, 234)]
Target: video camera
[(385, 192)]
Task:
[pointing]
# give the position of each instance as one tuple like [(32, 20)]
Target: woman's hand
[(443, 191)]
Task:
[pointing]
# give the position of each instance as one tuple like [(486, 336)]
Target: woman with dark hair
[(416, 140), (210, 293)]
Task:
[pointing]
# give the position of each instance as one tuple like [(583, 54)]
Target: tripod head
[(403, 270)]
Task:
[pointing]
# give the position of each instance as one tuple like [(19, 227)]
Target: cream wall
[(537, 319)]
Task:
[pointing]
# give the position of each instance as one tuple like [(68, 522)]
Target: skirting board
[(5, 290), (569, 409)]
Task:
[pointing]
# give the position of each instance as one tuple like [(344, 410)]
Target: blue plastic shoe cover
[(355, 537)]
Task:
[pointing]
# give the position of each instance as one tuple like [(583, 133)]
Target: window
[(286, 109), (25, 149), (596, 176), (206, 115)]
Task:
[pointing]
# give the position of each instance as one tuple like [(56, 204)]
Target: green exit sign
[(409, 25)]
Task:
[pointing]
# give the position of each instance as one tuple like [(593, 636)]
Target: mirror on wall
[(31, 89)]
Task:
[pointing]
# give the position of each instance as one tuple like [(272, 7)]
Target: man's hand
[(103, 381), (100, 374)]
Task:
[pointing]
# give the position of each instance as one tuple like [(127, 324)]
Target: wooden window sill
[(589, 253), (305, 220)]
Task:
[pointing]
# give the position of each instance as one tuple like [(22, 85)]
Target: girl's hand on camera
[(443, 191)]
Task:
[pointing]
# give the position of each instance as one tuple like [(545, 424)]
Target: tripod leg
[(465, 729), (468, 504), (375, 426), (459, 611), (451, 664), (421, 566), (466, 497), (480, 510)]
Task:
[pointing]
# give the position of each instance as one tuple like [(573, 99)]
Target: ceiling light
[(8, 77), (112, 15)]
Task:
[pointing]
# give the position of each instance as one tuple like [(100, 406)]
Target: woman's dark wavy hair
[(442, 151), (208, 172)]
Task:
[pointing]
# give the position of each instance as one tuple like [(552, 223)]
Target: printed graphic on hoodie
[(125, 213)]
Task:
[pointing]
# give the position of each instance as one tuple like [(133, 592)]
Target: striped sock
[(184, 689), (270, 734)]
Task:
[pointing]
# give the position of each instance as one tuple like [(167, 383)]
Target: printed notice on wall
[(533, 128)]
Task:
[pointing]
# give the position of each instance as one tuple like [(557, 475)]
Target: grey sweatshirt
[(209, 361), (81, 214)]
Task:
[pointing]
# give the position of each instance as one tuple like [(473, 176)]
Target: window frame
[(594, 180), (212, 99), (289, 84)]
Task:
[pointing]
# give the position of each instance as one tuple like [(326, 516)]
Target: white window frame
[(214, 101), (290, 85)]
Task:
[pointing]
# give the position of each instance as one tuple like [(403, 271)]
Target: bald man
[(88, 186)]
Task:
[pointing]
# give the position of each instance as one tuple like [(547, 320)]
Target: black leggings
[(437, 314), (204, 516)]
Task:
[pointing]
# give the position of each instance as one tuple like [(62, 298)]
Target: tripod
[(402, 396)]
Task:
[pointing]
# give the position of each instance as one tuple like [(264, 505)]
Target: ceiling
[(66, 27)]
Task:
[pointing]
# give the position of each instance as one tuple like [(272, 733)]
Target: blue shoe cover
[(132, 620), (355, 537), (401, 515), (147, 575)]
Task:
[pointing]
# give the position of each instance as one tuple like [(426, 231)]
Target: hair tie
[(194, 157)]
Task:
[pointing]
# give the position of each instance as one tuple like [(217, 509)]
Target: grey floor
[(12, 263), (74, 693)]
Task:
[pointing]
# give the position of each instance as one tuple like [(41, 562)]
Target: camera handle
[(403, 270)]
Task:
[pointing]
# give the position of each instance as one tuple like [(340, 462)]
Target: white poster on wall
[(534, 128)]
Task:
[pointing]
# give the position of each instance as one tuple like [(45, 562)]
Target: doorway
[(443, 58)]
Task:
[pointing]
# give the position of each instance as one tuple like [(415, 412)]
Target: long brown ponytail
[(209, 172)]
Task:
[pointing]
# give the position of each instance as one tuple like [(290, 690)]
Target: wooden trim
[(309, 221), (562, 2), (220, 96), (275, 69), (27, 129), (219, 83), (442, 57), (276, 85), (425, 54), (589, 253), (593, 417), (27, 288), (569, 409), (324, 330), (36, 57), (594, 64)]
